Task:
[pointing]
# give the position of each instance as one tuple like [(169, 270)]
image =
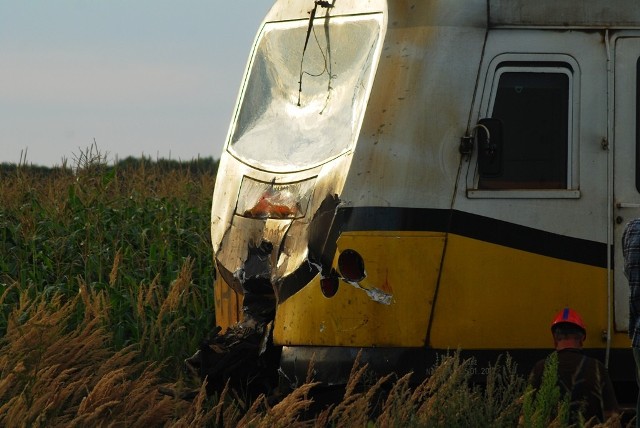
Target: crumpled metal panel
[(298, 119), (283, 253)]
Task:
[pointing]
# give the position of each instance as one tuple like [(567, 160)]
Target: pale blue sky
[(152, 77)]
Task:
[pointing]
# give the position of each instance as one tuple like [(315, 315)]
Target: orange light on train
[(268, 207), (264, 200)]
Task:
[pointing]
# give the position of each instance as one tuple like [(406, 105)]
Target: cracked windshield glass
[(303, 106)]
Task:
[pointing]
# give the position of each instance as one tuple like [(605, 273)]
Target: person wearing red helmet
[(584, 380)]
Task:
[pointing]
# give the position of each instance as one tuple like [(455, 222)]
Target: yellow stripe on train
[(477, 278)]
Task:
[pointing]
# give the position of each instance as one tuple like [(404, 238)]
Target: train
[(402, 178)]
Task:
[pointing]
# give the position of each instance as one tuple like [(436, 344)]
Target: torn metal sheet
[(374, 294)]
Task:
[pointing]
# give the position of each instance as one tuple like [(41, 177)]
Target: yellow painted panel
[(498, 297), (405, 266), (228, 304), (490, 297)]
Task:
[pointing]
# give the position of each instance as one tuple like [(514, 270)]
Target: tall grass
[(106, 285), (137, 231), (57, 372)]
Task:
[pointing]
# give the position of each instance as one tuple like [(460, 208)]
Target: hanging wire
[(326, 5)]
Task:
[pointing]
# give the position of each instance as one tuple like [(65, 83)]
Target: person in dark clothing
[(631, 255), (584, 380)]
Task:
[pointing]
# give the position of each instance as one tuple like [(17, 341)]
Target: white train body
[(365, 134)]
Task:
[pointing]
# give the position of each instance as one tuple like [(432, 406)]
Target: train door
[(626, 161)]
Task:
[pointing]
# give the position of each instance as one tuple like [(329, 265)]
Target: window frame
[(532, 63)]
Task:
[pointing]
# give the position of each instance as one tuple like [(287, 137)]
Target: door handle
[(627, 205)]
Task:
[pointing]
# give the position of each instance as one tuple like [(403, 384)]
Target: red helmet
[(569, 316)]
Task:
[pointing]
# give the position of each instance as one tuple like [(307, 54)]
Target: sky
[(154, 78)]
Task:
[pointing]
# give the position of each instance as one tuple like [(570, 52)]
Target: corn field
[(106, 286)]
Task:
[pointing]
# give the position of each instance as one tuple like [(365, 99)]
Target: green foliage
[(502, 394), (452, 400), (194, 166), (119, 229), (542, 407), (121, 255)]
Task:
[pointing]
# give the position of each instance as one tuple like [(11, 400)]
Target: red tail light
[(329, 285)]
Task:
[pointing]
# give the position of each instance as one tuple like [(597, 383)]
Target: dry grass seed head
[(97, 416), (96, 305), (322, 419), (255, 414), (50, 365), (14, 285), (178, 288), (442, 386), (52, 370), (55, 393), (220, 405), (13, 411), (110, 386), (33, 327), (31, 316), (354, 406), (130, 397), (223, 413), (287, 412), (398, 406), (125, 357), (141, 384), (144, 405), (148, 297), (151, 296), (194, 413), (113, 275), (355, 376), (358, 412), (82, 348), (7, 381), (311, 368), (140, 312)]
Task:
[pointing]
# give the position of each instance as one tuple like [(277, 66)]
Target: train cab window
[(534, 107), (302, 105)]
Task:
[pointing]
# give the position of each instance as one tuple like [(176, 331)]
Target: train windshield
[(303, 106)]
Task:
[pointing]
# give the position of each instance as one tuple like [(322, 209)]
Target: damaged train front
[(290, 145)]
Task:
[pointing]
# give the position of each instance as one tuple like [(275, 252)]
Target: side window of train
[(529, 116)]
